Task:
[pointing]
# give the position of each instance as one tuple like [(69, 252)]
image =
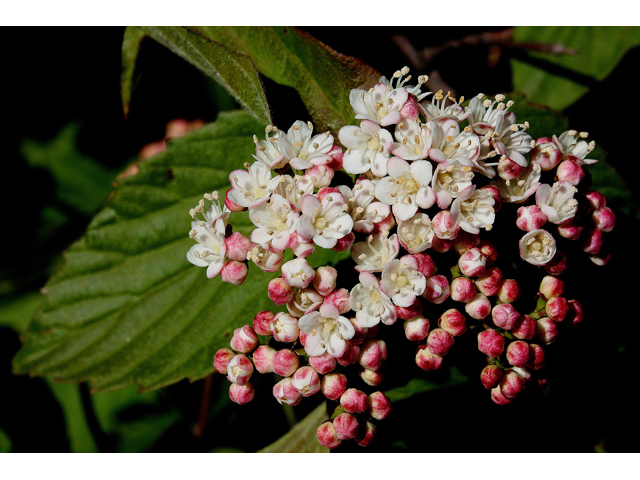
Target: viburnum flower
[(373, 254), (537, 247), (267, 150), (275, 222), (252, 185), (360, 205), (573, 148), (294, 188), (438, 108), (406, 188), (324, 221), (557, 201), (416, 234), (370, 303), (213, 212), (520, 189), (450, 178), (413, 140), (210, 250), (381, 104), (449, 143), (473, 209), (326, 331), (368, 148), (402, 280)]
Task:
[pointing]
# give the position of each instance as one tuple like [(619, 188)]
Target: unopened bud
[(379, 405), (327, 436), (262, 322), (462, 289), (237, 246), (536, 360), (525, 328), (263, 358), (546, 331), (285, 362), (306, 380), (339, 298), (372, 354), (505, 316), (604, 219), (234, 272), (489, 282), (324, 280), (244, 339), (286, 393), (472, 263), (453, 322), (530, 218), (509, 291), (518, 353), (426, 265), (350, 355), (323, 364), (574, 317), (591, 241), (498, 397), (366, 435), (436, 289), (344, 243), (354, 401), (242, 394), (570, 171), (489, 251), (371, 378), (440, 341), (443, 226), (465, 241), (557, 265), (417, 328), (413, 310), (333, 385), (557, 308), (346, 426), (491, 342), (511, 384), (284, 328), (491, 376), (479, 307), (279, 292), (239, 370), (427, 360), (222, 358)]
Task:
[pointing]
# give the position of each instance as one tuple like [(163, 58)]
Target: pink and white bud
[(427, 360), (536, 360), (237, 246), (339, 298), (262, 323), (472, 263), (350, 355), (453, 322), (601, 259), (242, 394), (360, 331), (336, 155), (546, 331), (285, 362), (371, 378), (491, 376), (333, 385), (320, 175), (297, 273), (570, 171), (530, 218), (413, 310), (489, 251), (489, 282), (512, 384), (323, 364), (604, 219), (306, 380), (462, 289), (498, 397), (479, 307), (385, 225), (505, 316), (284, 328), (239, 369), (327, 436), (286, 393), (411, 109), (373, 354), (366, 435), (346, 426), (537, 247), (557, 308), (443, 225), (525, 328), (436, 289), (222, 358), (491, 342), (557, 265), (344, 243), (426, 265), (439, 341), (354, 401), (232, 206), (591, 241), (546, 154), (518, 353), (244, 339), (575, 315), (417, 328), (495, 193), (279, 292), (571, 230), (234, 272), (263, 358), (596, 199), (509, 291), (379, 406), (324, 280), (508, 169), (465, 241)]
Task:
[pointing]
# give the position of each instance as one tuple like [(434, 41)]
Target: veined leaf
[(302, 438), (234, 70), (127, 307)]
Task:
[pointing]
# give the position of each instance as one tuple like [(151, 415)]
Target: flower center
[(320, 223)]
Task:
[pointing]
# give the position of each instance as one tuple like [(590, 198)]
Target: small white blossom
[(416, 234), (448, 142), (275, 220), (266, 260), (213, 212), (380, 104), (537, 247), (438, 110), (326, 331), (297, 273), (557, 202), (360, 205), (574, 148), (373, 254), (370, 303), (473, 209), (304, 300), (210, 251), (450, 178), (413, 140), (402, 281), (519, 189), (267, 151), (324, 222), (251, 186), (368, 148), (294, 189)]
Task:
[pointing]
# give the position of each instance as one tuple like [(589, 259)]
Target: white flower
[(266, 260), (373, 254), (297, 273), (437, 110), (267, 151), (381, 104), (520, 189), (368, 148), (448, 142), (473, 209), (303, 150), (294, 188), (402, 281), (210, 250), (305, 300), (416, 234), (360, 205), (371, 304), (326, 331), (557, 202), (213, 212), (414, 140), (275, 220), (511, 140), (537, 247), (324, 222), (252, 185), (407, 187), (575, 149), (450, 178)]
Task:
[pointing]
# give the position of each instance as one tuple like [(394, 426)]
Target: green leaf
[(599, 51), (234, 70), (419, 385), (127, 307), (293, 58), (5, 442), (302, 437)]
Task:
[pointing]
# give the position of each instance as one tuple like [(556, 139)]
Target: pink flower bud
[(596, 199), (327, 436), (440, 245), (336, 158), (491, 376), (237, 246), (491, 342), (511, 384), (379, 405), (286, 393), (232, 206), (385, 225), (297, 273), (333, 385), (551, 286), (525, 328), (462, 289), (417, 328), (354, 401), (366, 435), (427, 360), (373, 354), (570, 171), (239, 370), (443, 226), (604, 219), (344, 243), (284, 328), (557, 265), (320, 175), (571, 229), (244, 339), (509, 291), (242, 394), (478, 307), (234, 272), (426, 265), (518, 353), (285, 362), (411, 109), (530, 218), (557, 308), (371, 378), (324, 280), (498, 397), (346, 426), (279, 292), (495, 193), (505, 316), (489, 282), (439, 341), (489, 251), (453, 322), (546, 331), (222, 358), (263, 358), (591, 241), (306, 381), (536, 360), (547, 155), (574, 317), (472, 263), (465, 241), (323, 364), (350, 355), (508, 169), (339, 298), (436, 289), (413, 310), (262, 323)]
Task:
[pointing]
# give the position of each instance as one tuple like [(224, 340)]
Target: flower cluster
[(429, 175)]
